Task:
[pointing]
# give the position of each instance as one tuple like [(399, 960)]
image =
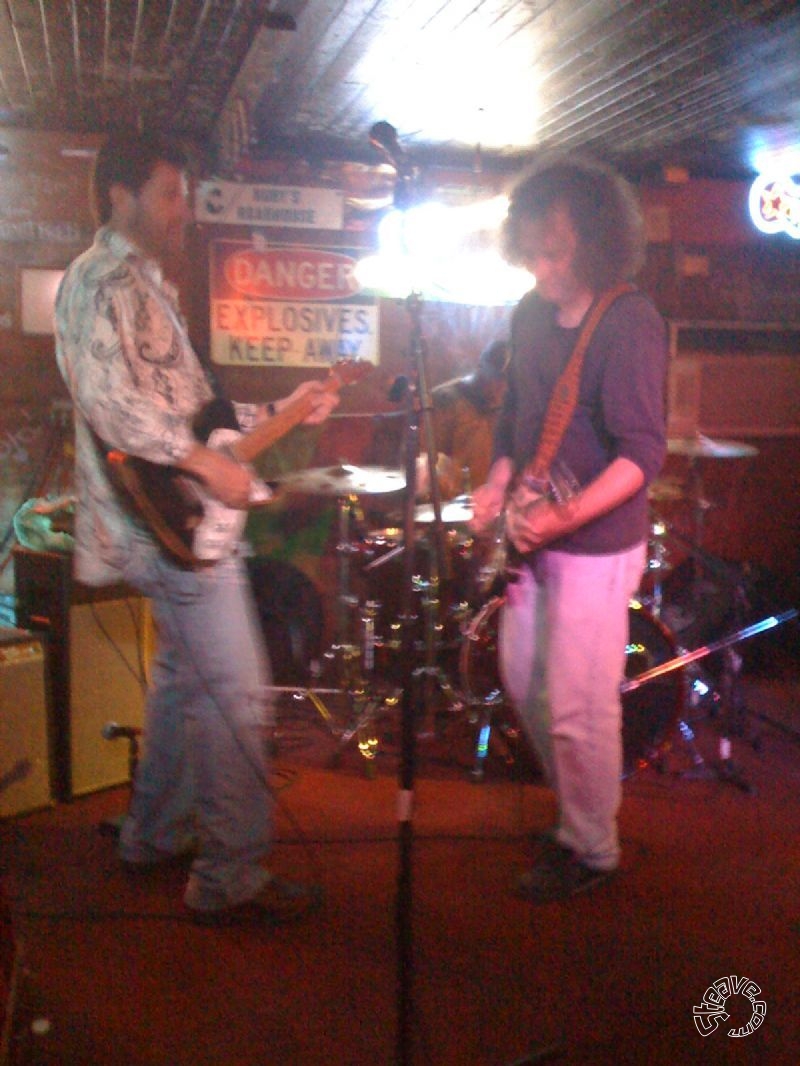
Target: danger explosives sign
[(285, 305)]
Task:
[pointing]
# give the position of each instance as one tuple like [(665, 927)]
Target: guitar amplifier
[(98, 648), (24, 725)]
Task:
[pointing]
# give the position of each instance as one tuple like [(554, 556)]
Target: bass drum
[(290, 612), (649, 713)]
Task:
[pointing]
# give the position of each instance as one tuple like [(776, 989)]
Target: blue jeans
[(204, 765), (563, 632)]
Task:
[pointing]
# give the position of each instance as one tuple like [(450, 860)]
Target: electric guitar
[(192, 527), (558, 487)]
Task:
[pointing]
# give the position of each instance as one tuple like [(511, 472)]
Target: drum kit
[(455, 631)]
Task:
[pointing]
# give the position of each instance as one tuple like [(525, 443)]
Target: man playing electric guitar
[(136, 384), (564, 623)]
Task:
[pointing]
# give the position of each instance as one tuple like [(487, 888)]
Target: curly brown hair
[(602, 205)]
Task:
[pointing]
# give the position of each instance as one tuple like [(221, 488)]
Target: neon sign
[(775, 205)]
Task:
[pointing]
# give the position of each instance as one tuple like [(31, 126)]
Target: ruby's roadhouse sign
[(286, 305)]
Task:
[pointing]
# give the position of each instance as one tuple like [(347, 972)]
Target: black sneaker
[(558, 875), (546, 842)]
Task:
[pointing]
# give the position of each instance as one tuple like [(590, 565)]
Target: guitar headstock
[(349, 371)]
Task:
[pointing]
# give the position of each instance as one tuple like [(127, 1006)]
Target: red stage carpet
[(115, 975)]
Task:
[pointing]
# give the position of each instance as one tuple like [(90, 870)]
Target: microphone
[(111, 731), (383, 136)]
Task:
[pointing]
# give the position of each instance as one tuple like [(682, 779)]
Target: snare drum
[(649, 713)]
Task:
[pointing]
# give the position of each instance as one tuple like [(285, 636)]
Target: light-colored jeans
[(203, 770), (563, 631)]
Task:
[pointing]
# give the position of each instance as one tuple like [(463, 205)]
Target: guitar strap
[(218, 413), (564, 397)]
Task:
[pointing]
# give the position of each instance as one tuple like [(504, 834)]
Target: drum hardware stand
[(367, 704), (345, 601), (485, 733), (727, 770), (434, 678), (344, 653), (657, 563), (729, 695), (481, 707)]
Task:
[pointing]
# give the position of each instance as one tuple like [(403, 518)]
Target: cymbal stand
[(344, 653), (726, 771), (356, 658), (657, 563), (733, 711), (700, 506), (347, 507)]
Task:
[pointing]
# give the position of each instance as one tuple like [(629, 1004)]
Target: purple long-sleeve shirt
[(621, 409)]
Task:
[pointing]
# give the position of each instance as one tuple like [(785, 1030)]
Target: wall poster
[(278, 304)]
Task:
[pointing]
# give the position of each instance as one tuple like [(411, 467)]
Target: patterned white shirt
[(123, 349)]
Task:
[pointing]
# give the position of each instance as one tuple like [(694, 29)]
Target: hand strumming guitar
[(225, 479), (533, 520), (488, 500)]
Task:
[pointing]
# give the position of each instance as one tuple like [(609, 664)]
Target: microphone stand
[(416, 681), (111, 731)]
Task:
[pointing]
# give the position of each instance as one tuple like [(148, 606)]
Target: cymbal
[(389, 535), (666, 489), (344, 480), (701, 447), (455, 512)]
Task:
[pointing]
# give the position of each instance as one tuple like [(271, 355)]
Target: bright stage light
[(444, 253)]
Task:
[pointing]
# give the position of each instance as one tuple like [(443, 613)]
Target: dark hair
[(603, 208), (129, 158)]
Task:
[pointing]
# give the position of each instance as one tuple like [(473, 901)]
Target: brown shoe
[(156, 860), (278, 903)]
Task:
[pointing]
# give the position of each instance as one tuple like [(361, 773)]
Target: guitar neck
[(249, 446)]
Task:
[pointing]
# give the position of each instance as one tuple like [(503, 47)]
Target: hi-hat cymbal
[(344, 480), (455, 512), (666, 489), (701, 447)]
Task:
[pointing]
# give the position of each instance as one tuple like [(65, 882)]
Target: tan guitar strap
[(565, 393)]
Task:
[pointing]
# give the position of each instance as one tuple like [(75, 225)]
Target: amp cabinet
[(98, 647), (25, 764)]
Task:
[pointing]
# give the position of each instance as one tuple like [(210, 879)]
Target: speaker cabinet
[(24, 734), (98, 648)]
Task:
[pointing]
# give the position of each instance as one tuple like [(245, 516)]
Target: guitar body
[(191, 527)]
